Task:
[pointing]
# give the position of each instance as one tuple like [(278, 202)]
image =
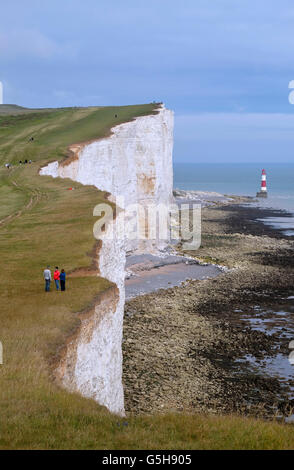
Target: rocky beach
[(218, 344)]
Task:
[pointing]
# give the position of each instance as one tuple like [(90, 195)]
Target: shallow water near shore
[(280, 323), (149, 273), (286, 224)]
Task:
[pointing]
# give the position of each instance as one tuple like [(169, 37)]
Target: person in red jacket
[(56, 277)]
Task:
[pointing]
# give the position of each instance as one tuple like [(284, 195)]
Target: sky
[(223, 67)]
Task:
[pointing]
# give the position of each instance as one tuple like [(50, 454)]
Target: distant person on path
[(47, 277), (62, 280), (56, 277)]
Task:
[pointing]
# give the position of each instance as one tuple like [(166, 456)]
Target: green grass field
[(41, 223)]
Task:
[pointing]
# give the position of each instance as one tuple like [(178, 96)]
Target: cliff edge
[(133, 164)]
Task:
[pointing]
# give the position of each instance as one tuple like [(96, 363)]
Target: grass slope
[(42, 222), (12, 109)]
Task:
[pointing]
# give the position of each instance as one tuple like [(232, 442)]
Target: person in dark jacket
[(62, 280)]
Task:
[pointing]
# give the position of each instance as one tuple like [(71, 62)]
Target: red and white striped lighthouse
[(263, 189), (263, 181)]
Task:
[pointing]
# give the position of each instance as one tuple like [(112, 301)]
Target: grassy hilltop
[(41, 223)]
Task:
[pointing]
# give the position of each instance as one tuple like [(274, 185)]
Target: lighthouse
[(1, 93), (263, 188)]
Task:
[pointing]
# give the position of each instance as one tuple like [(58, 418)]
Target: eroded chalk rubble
[(183, 348)]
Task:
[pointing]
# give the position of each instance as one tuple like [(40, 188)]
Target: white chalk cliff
[(135, 163)]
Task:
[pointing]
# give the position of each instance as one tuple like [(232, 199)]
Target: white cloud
[(31, 43)]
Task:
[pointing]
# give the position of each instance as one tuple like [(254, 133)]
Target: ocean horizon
[(242, 179)]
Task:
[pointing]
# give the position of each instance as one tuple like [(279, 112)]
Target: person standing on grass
[(47, 277), (62, 280), (56, 277)]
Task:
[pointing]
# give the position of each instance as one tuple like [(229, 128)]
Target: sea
[(244, 179)]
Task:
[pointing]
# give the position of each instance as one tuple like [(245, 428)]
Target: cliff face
[(134, 163), (92, 360)]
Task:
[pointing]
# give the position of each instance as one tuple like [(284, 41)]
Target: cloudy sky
[(223, 66)]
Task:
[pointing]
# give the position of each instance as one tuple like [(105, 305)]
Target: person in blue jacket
[(62, 280)]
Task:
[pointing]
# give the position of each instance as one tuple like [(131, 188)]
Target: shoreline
[(148, 273), (189, 348)]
